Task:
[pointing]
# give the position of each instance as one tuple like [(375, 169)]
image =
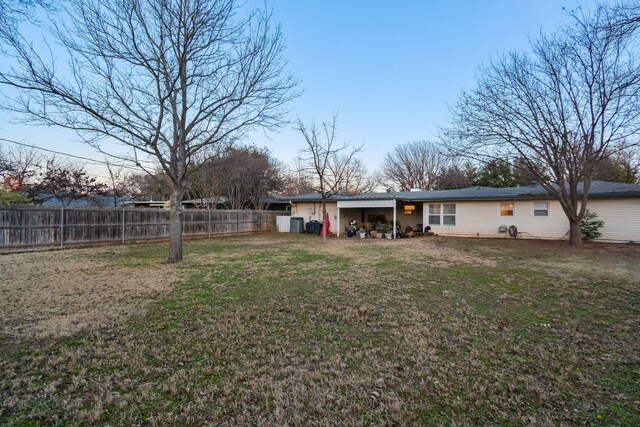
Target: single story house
[(480, 211)]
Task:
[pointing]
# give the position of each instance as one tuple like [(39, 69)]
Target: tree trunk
[(575, 234), (175, 226)]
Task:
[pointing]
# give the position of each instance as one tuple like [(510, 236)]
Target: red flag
[(327, 225)]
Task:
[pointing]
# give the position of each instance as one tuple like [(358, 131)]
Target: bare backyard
[(282, 330)]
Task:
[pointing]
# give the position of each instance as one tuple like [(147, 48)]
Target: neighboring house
[(482, 211), (162, 204), (101, 201), (275, 203)]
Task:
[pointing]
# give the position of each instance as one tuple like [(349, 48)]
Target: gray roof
[(316, 197), (599, 189), (469, 193)]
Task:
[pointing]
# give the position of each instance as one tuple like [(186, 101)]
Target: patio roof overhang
[(346, 204)]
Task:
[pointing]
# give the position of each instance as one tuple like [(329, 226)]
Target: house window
[(540, 208), (434, 214), (449, 214), (442, 214), (507, 208)]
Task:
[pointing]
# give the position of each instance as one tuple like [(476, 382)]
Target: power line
[(68, 155)]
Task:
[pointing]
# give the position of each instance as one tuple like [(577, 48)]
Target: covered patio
[(369, 212)]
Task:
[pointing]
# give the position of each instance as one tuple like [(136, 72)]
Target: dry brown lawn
[(281, 330), (60, 293)]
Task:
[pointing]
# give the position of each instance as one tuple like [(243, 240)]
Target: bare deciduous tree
[(348, 175), (561, 110), (65, 182), (202, 180), (155, 186), (414, 165), (119, 182), (244, 177), (320, 151), (165, 78), (21, 162), (298, 178)]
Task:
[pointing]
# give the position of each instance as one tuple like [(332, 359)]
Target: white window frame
[(439, 207), (449, 215), (548, 209), (507, 203), (438, 214)]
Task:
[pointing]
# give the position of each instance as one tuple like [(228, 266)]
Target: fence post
[(237, 223), (209, 224), (123, 225), (62, 226)]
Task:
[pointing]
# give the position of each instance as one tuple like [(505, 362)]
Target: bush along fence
[(30, 226)]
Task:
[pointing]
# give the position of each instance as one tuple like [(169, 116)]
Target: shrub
[(8, 198)]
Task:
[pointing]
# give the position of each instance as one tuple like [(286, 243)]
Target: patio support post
[(338, 221), (395, 202)]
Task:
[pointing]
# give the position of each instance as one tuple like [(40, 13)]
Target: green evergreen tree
[(590, 225)]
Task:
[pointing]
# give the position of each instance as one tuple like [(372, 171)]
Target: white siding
[(621, 219), (311, 211), (482, 219), (410, 220)]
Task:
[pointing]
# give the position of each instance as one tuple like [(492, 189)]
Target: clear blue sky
[(389, 68)]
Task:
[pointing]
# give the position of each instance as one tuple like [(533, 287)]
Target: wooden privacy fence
[(25, 226)]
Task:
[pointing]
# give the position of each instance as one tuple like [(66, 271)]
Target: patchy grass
[(60, 293), (278, 329)]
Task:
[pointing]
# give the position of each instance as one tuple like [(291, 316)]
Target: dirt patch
[(54, 294)]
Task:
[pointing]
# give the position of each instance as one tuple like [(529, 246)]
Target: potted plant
[(362, 232), (381, 230), (351, 228), (388, 231)]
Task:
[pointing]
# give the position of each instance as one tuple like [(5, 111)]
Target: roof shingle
[(599, 189)]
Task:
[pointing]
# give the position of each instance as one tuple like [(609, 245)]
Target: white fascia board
[(346, 204)]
